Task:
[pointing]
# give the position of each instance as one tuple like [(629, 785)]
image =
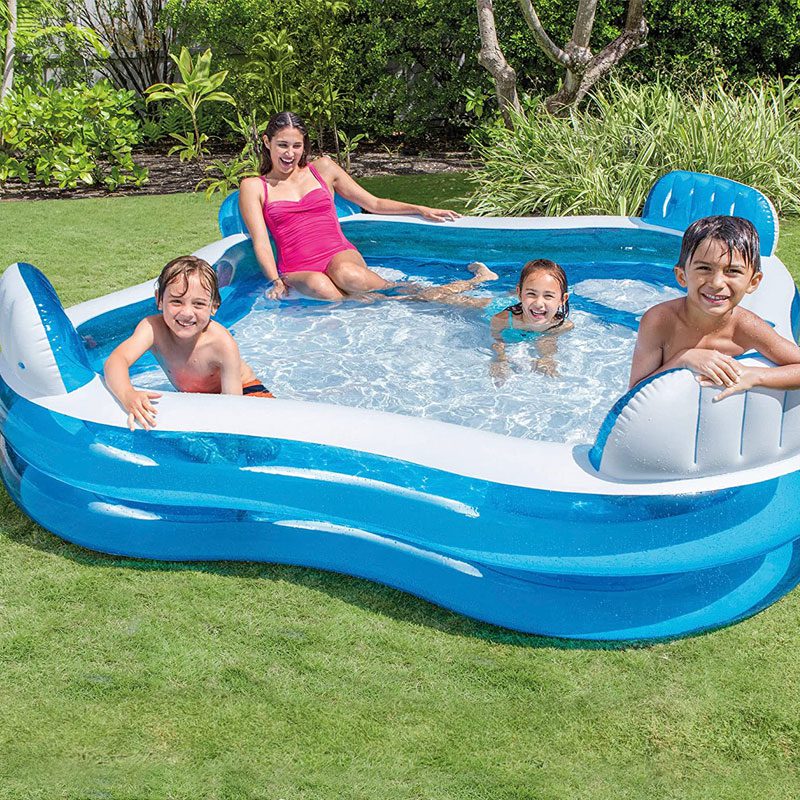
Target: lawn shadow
[(374, 597)]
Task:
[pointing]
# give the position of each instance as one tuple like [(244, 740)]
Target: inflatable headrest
[(230, 220), (667, 428), (50, 357), (680, 198)]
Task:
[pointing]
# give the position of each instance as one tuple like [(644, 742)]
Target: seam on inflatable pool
[(744, 415), (783, 419), (697, 426)]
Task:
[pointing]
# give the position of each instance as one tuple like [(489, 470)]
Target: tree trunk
[(492, 59), (585, 69), (8, 63)]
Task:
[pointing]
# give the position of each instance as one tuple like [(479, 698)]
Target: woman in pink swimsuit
[(293, 200)]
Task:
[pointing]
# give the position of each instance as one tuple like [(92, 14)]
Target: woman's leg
[(450, 292), (351, 275), (313, 284)]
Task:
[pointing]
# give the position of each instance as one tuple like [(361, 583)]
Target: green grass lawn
[(132, 679)]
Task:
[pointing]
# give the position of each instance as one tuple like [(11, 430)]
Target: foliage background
[(406, 64)]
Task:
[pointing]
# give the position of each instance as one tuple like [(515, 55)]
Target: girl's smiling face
[(541, 299), (286, 149)]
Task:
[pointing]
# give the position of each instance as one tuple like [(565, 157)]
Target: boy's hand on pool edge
[(718, 368), (141, 409), (748, 379)]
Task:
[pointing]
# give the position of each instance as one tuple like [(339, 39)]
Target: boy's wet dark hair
[(180, 268), (551, 268), (736, 233), (277, 122)]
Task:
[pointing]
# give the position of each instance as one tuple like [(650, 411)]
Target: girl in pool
[(293, 199), (543, 308)]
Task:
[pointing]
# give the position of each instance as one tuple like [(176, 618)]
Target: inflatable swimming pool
[(679, 518)]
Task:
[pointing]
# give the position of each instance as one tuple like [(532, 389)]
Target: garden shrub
[(70, 136), (604, 158)]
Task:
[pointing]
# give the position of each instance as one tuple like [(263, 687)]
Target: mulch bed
[(168, 175)]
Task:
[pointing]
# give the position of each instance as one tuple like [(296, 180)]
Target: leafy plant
[(70, 136), (604, 158), (199, 86), (225, 176), (349, 145), (476, 100), (272, 62)]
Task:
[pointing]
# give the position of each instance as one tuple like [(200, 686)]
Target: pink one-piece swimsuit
[(306, 232)]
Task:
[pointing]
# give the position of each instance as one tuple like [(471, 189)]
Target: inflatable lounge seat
[(667, 427), (230, 220), (680, 198), (51, 358)]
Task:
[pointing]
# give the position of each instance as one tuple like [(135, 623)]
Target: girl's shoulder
[(566, 325)]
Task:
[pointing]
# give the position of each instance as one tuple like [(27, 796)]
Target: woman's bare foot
[(481, 272)]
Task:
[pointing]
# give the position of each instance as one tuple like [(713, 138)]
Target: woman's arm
[(251, 204), (342, 183)]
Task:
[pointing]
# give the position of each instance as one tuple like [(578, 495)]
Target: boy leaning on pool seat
[(706, 330)]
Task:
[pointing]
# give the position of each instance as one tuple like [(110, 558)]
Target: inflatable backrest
[(230, 220), (667, 427), (680, 198), (50, 357)]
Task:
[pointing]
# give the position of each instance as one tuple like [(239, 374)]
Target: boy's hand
[(748, 378), (140, 409), (716, 367)]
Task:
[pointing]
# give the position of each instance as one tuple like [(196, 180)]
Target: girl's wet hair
[(737, 234), (277, 123), (551, 268), (181, 268)]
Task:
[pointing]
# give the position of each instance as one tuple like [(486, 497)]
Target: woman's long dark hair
[(551, 268), (277, 122)]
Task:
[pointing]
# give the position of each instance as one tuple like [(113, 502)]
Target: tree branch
[(584, 23), (551, 49)]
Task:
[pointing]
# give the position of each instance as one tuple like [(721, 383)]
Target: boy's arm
[(648, 355), (759, 335), (230, 364), (117, 374), (717, 368)]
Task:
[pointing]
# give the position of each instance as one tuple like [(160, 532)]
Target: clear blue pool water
[(432, 360)]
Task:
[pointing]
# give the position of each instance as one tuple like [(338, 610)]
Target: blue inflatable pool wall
[(674, 521)]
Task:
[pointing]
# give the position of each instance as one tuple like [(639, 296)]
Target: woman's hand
[(438, 214), (276, 290)]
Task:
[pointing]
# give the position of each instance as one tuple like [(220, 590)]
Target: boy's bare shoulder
[(746, 319), (663, 313), (219, 336)]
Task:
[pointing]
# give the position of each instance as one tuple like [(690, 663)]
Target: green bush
[(70, 136), (604, 158)]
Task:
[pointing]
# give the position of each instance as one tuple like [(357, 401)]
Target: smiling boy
[(196, 353), (719, 264)]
